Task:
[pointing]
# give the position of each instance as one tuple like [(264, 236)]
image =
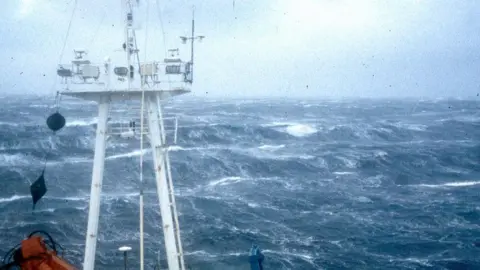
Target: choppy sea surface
[(317, 184)]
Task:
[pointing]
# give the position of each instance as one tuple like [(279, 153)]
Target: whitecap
[(380, 153), (293, 128), (253, 205), (300, 130), (363, 199)]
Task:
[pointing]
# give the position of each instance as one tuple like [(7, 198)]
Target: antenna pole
[(127, 40), (193, 35), (192, 39)]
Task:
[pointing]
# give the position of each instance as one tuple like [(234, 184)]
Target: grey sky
[(264, 48)]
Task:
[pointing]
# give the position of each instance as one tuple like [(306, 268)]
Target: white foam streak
[(79, 123), (8, 124), (343, 173), (279, 124), (14, 198), (305, 257), (175, 148), (14, 160), (226, 181), (130, 154), (271, 147), (203, 253), (452, 184), (77, 160)]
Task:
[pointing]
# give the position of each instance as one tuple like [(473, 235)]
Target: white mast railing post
[(171, 192), (96, 188), (155, 126), (142, 252)]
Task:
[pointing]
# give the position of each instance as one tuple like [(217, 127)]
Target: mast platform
[(121, 95)]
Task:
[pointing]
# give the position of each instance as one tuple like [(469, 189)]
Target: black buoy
[(38, 189), (56, 121)]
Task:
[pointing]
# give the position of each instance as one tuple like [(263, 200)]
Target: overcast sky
[(312, 48)]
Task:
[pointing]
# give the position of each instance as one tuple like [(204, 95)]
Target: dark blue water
[(318, 184)]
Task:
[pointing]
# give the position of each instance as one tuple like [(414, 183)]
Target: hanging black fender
[(56, 121)]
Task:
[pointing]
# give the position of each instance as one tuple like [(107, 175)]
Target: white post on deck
[(96, 188)]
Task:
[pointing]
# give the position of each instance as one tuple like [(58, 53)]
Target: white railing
[(170, 74), (130, 127)]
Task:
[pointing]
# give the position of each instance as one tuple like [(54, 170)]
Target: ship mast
[(149, 83)]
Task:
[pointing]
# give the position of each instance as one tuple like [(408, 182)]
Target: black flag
[(38, 189)]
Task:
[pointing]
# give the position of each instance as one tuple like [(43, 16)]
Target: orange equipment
[(33, 254)]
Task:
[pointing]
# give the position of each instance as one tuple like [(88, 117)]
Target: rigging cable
[(58, 96), (55, 122), (100, 24), (141, 180), (68, 32), (159, 13), (57, 117)]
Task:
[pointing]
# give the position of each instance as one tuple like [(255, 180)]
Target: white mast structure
[(149, 83)]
